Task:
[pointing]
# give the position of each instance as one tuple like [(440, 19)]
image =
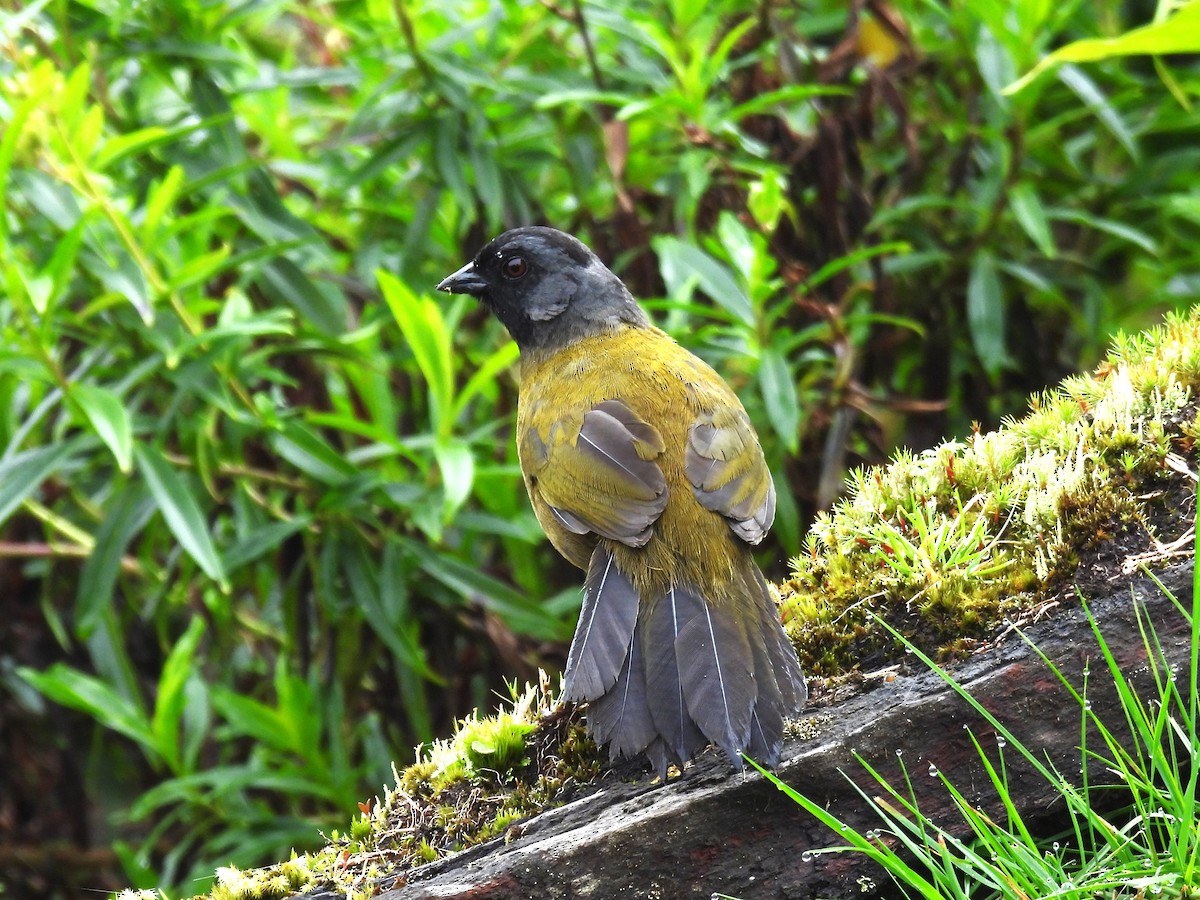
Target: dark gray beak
[(465, 281)]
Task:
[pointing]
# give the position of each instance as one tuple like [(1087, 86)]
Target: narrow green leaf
[(308, 452), (180, 509), (320, 304), (383, 593), (831, 268), (74, 689), (171, 696), (252, 719), (476, 586), (424, 327), (23, 473), (1179, 33), (124, 144), (681, 262), (108, 418), (769, 101), (159, 199), (1095, 100), (457, 465), (780, 398), (485, 374), (261, 540), (1027, 208), (125, 515), (1108, 226), (199, 269), (986, 313)]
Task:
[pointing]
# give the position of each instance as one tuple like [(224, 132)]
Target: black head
[(547, 288)]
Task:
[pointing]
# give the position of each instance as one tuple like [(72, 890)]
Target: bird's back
[(669, 388)]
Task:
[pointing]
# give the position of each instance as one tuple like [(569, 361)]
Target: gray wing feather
[(611, 436), (724, 463)]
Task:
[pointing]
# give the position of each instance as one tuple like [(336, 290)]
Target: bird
[(644, 471)]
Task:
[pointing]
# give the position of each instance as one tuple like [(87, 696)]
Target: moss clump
[(948, 544), (494, 772)]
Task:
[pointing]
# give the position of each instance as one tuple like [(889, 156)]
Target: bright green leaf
[(170, 698), (681, 262), (986, 313), (180, 509), (424, 327), (1027, 208), (308, 452), (780, 398), (1179, 33), (23, 473), (74, 689), (125, 515), (457, 465), (108, 418)]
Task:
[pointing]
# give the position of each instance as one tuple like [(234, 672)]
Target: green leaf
[(309, 453), (1091, 95), (475, 585), (681, 262), (1108, 226), (424, 327), (986, 313), (108, 418), (159, 199), (181, 511), (74, 689), (1179, 33), (1027, 208), (485, 374), (831, 268), (171, 696), (253, 719), (261, 540), (457, 465), (780, 398), (125, 515), (321, 304), (131, 142), (23, 473)]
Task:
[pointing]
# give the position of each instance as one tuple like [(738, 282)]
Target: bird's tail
[(666, 675)]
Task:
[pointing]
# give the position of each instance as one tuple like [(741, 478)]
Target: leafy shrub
[(273, 526)]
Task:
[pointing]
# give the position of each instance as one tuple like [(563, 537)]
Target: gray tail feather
[(605, 630), (664, 692), (689, 673), (621, 717), (782, 655)]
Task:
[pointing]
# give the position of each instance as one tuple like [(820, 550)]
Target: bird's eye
[(514, 267)]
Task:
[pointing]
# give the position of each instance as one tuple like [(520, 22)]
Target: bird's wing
[(725, 465), (603, 478)]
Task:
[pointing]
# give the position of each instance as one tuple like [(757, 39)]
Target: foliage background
[(261, 526)]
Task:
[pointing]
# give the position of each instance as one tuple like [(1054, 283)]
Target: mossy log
[(715, 831)]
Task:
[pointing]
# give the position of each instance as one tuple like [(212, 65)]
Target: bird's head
[(547, 288)]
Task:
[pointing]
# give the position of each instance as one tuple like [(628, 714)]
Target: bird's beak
[(465, 281)]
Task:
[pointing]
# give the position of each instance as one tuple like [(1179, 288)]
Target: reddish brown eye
[(515, 267)]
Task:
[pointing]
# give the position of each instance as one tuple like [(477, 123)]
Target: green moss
[(948, 544), (495, 771)]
